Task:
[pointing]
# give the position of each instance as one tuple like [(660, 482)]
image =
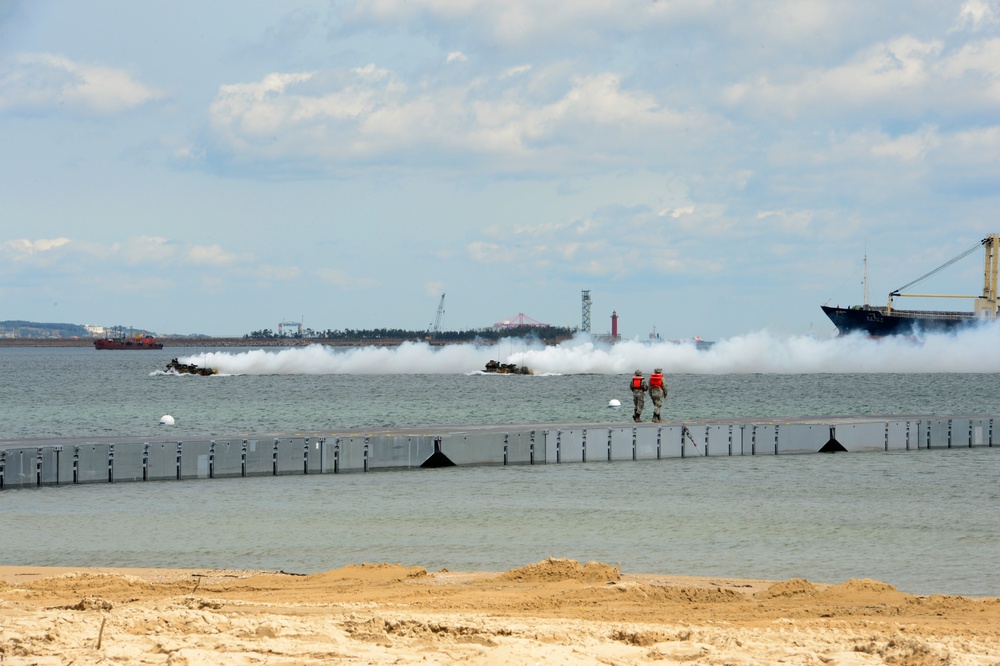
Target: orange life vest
[(636, 383), (656, 380)]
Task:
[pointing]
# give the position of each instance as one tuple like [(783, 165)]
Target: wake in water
[(976, 350)]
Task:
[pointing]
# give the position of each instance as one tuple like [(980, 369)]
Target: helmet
[(638, 372), (658, 370)]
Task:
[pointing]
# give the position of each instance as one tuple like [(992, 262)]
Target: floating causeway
[(67, 461)]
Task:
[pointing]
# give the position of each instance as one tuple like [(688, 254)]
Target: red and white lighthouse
[(614, 324)]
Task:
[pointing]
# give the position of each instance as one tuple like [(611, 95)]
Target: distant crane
[(435, 328)]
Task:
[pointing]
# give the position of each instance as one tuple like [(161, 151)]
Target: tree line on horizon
[(491, 334), (547, 334), (33, 329)]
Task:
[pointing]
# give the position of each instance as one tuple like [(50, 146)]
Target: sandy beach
[(557, 611)]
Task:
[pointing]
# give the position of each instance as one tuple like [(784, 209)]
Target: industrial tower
[(585, 325)]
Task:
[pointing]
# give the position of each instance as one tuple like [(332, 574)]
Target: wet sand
[(556, 611)]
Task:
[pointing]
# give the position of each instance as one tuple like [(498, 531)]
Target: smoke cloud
[(975, 350)]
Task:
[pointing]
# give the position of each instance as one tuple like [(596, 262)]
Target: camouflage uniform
[(638, 394), (658, 395)]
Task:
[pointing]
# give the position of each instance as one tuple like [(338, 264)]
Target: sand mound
[(685, 595), (795, 587), (368, 573), (109, 587), (560, 569), (864, 591)]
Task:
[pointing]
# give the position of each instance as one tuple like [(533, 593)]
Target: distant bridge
[(518, 320)]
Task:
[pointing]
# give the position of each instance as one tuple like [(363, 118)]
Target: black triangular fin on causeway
[(438, 458), (833, 446)]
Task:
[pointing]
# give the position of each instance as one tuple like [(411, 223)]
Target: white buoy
[(166, 419), (614, 403)]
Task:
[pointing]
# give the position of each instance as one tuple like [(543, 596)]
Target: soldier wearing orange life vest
[(658, 393), (639, 387)]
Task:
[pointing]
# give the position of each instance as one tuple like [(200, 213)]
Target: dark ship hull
[(875, 322)]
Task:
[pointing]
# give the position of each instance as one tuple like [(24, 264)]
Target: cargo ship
[(118, 340), (878, 321)]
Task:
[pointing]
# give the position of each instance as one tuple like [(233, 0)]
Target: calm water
[(924, 521)]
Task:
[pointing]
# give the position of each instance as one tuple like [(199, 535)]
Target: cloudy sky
[(704, 167)]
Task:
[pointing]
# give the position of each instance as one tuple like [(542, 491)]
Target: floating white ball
[(166, 419), (614, 403)]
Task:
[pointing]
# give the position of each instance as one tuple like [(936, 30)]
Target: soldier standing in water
[(639, 387), (657, 392)]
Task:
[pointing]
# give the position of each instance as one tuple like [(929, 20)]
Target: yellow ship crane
[(986, 304)]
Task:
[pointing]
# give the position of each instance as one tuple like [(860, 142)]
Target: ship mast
[(867, 297)]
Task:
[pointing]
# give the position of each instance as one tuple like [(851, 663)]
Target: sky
[(704, 168)]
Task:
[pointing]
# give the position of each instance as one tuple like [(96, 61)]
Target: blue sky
[(703, 167)]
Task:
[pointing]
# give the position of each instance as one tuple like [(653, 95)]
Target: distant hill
[(32, 329)]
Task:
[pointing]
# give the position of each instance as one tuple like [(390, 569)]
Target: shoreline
[(187, 342), (22, 573), (553, 611), (180, 343)]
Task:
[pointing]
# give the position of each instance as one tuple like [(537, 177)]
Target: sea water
[(925, 521), (75, 392)]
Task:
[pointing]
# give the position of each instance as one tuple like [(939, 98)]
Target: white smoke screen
[(976, 350)]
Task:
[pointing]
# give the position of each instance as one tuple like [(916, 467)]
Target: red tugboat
[(118, 340)]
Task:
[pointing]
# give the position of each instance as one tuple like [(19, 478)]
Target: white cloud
[(977, 15), (41, 252), (521, 23), (142, 284), (153, 252), (214, 255), (343, 280), (44, 82), (456, 56), (571, 227), (976, 149), (784, 222), (615, 243), (23, 246), (888, 72), (903, 77), (677, 212), (973, 75), (908, 147), (259, 108), (146, 250), (272, 273), (514, 71), (483, 252), (981, 57), (347, 118)]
